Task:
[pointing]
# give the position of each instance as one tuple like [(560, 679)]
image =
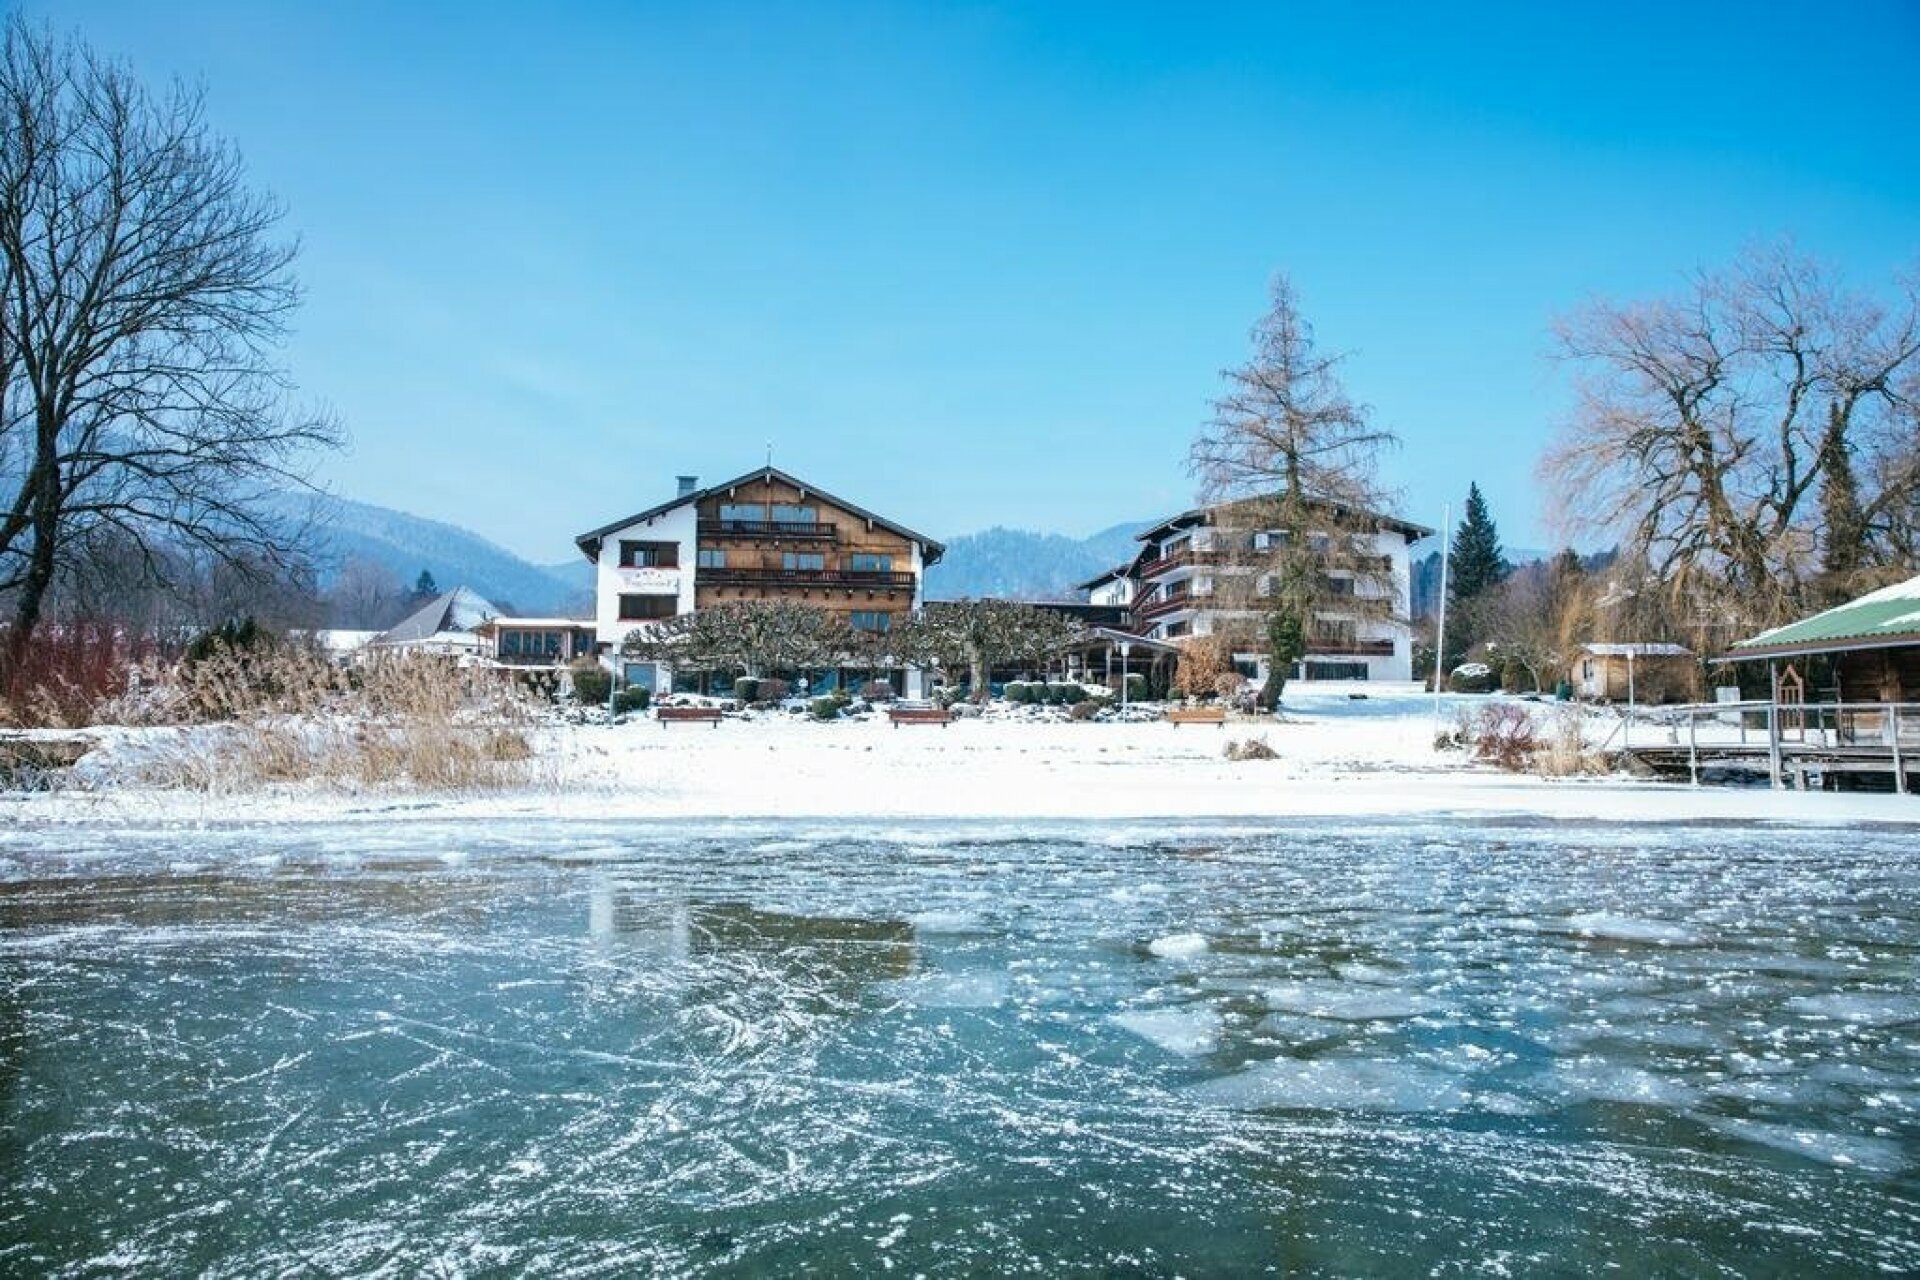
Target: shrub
[(774, 689), (1515, 678), (1251, 749), (591, 683), (1136, 688), (1203, 660), (1471, 677), (1503, 734), (877, 691), (829, 707), (1018, 691), (1074, 694), (1087, 708), (746, 689), (630, 700)]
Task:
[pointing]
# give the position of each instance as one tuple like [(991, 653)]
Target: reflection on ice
[(957, 1049)]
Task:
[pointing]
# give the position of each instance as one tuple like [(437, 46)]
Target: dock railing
[(1861, 732)]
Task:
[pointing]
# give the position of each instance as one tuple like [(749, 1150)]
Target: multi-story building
[(1177, 585), (762, 536)]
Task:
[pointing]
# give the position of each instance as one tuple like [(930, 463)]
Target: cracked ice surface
[(584, 1049)]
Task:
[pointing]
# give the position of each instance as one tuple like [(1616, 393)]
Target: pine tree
[(1478, 562), (424, 587)]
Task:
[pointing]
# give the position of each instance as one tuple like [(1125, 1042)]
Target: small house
[(445, 625), (1638, 674), (1871, 645)]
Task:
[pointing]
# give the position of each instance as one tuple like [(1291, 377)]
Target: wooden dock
[(1798, 745)]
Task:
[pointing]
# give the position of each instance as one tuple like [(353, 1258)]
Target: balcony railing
[(1347, 646), (1180, 558), (802, 530), (1164, 605), (870, 578)]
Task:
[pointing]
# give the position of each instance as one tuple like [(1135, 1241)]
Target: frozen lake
[(581, 1049)]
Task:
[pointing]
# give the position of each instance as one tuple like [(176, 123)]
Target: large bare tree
[(1753, 440), (144, 293), (1289, 466)]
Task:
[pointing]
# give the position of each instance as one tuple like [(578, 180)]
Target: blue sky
[(974, 265)]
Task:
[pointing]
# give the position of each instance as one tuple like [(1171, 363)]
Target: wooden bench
[(667, 715), (1197, 715), (919, 715)]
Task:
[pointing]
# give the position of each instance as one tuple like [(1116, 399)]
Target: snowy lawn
[(1336, 755)]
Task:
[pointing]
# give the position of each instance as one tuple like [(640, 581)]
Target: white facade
[(678, 525), (1177, 597)]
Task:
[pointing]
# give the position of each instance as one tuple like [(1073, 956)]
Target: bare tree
[(1752, 441), (365, 594), (756, 637), (979, 635), (143, 295), (1289, 466), (1540, 615)]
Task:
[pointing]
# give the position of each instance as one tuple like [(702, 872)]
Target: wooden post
[(1693, 749), (1773, 724), (1893, 740)]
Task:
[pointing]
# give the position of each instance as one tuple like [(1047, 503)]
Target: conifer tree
[(1478, 562)]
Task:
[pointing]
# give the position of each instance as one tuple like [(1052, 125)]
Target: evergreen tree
[(1478, 562), (424, 587)]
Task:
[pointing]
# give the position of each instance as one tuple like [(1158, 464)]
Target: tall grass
[(287, 714)]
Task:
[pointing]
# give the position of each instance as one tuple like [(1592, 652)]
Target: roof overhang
[(1813, 648)]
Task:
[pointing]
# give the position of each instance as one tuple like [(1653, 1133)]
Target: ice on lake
[(948, 1048)]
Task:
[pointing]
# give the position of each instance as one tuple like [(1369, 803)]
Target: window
[(712, 558), (742, 511), (639, 608), (863, 563), (530, 644), (649, 555), (809, 561), (871, 620), (796, 515), (1336, 671)]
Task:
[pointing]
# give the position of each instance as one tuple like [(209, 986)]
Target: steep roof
[(1885, 619), (1118, 571), (1656, 650), (1203, 515), (456, 610), (589, 542)]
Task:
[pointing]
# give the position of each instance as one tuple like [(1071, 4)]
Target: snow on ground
[(1338, 755)]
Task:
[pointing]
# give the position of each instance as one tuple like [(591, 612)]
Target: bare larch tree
[(143, 298), (1753, 441), (1288, 466)]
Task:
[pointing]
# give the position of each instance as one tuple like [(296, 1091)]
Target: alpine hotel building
[(765, 535)]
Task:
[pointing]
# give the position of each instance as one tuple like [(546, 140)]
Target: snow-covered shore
[(1337, 757)]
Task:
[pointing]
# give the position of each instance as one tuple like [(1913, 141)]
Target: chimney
[(687, 485)]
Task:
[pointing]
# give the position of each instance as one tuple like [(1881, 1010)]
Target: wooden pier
[(1791, 744)]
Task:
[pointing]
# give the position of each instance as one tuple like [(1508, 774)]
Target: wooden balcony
[(1179, 559), (1152, 608), (770, 530), (873, 580)]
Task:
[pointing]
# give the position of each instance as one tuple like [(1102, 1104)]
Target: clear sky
[(974, 264)]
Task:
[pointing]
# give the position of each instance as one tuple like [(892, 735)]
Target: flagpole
[(1440, 629)]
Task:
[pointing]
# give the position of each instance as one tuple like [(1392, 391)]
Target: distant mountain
[(1020, 564), (404, 545), (1011, 563)]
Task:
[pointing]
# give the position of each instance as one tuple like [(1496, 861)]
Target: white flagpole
[(1440, 630)]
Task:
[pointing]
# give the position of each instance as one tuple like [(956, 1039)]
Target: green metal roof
[(1887, 618)]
